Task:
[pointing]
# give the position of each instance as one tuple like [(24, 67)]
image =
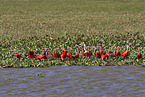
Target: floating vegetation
[(106, 24), (39, 75), (10, 80)]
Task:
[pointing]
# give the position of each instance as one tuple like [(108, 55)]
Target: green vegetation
[(39, 75), (9, 80), (49, 23)]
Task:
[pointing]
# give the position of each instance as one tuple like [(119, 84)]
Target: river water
[(73, 81)]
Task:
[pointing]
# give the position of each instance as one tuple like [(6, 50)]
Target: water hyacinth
[(77, 24)]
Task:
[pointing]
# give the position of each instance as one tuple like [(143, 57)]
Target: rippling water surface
[(73, 81)]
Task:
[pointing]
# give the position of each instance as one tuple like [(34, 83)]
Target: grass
[(49, 23)]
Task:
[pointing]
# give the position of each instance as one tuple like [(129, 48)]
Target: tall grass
[(49, 23)]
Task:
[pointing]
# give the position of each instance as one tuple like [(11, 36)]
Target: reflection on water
[(73, 81)]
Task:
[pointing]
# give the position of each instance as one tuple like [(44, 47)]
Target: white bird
[(49, 56)]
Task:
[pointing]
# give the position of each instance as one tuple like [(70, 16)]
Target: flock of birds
[(66, 54)]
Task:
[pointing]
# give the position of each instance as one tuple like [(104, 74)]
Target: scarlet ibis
[(101, 51), (44, 52), (18, 55), (72, 56), (44, 55), (88, 53), (31, 54), (64, 53), (82, 55), (38, 57), (104, 56), (111, 54), (68, 53), (118, 52), (139, 55), (77, 54), (63, 56), (98, 54), (55, 54), (126, 53)]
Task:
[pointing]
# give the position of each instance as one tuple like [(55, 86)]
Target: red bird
[(48, 53), (44, 54), (68, 53), (77, 54), (72, 57), (101, 51), (31, 54), (98, 54), (55, 54), (118, 52), (126, 53), (64, 51), (43, 57), (88, 53), (64, 54), (38, 57), (18, 56), (109, 52), (139, 55), (104, 56), (82, 55)]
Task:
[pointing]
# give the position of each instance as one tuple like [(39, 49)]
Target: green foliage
[(49, 23), (39, 75)]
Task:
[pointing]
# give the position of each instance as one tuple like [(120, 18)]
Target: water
[(76, 81)]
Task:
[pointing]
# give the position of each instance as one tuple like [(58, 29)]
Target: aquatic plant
[(39, 75), (110, 24)]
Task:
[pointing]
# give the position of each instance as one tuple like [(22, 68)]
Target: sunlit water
[(74, 81)]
